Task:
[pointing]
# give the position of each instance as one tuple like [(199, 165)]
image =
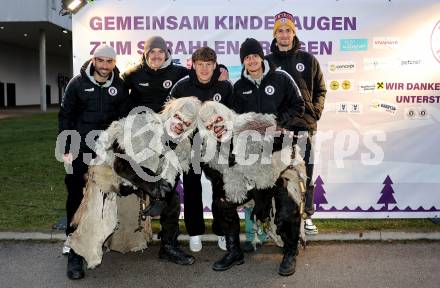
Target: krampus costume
[(87, 106), (143, 153), (237, 168)]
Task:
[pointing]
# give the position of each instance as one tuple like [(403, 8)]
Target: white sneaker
[(66, 246), (222, 243), (309, 227), (195, 243)]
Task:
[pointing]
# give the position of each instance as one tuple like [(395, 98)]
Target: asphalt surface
[(366, 264)]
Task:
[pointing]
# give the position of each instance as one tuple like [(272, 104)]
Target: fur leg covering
[(96, 218)]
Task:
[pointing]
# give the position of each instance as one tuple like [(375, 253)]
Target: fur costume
[(243, 176), (145, 139), (239, 176), (101, 214), (141, 136)]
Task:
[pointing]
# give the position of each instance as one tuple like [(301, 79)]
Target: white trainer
[(222, 243), (309, 227), (195, 243), (66, 246)]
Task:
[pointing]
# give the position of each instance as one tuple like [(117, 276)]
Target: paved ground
[(56, 235), (368, 264)]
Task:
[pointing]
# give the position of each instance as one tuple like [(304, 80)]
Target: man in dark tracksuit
[(262, 89), (92, 100), (203, 83), (150, 81), (305, 70)]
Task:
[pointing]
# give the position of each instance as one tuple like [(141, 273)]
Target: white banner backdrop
[(377, 149)]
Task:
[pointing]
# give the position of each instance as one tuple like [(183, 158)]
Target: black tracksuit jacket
[(88, 106), (277, 94), (306, 71), (214, 90), (150, 88)]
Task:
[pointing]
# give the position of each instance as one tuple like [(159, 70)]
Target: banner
[(376, 149)]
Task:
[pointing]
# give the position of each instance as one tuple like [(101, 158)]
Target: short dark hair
[(204, 54)]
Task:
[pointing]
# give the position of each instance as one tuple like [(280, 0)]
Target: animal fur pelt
[(102, 212), (128, 237), (104, 217), (245, 175), (141, 136)]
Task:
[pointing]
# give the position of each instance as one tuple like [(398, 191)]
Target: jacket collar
[(266, 69), (212, 82), (295, 47), (162, 68)]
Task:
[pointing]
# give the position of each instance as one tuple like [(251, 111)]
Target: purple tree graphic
[(319, 197), (387, 194), (179, 190)]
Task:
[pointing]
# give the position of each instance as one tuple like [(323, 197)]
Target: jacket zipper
[(258, 99), (100, 99), (259, 94)]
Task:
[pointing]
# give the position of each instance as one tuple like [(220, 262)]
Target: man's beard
[(287, 44), (103, 75)]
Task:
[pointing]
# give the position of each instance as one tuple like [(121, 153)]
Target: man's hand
[(161, 188), (68, 158), (224, 74), (263, 205)]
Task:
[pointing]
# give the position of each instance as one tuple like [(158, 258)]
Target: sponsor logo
[(334, 85), (416, 113), (217, 97), (89, 89), (342, 107), (144, 84), (423, 113), (348, 107), (269, 90), (354, 108), (382, 106), (112, 91), (344, 85), (379, 63), (167, 84), (341, 67), (380, 86), (386, 42), (435, 41), (409, 63), (353, 44), (235, 71), (367, 86), (300, 67), (247, 92), (410, 113)]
